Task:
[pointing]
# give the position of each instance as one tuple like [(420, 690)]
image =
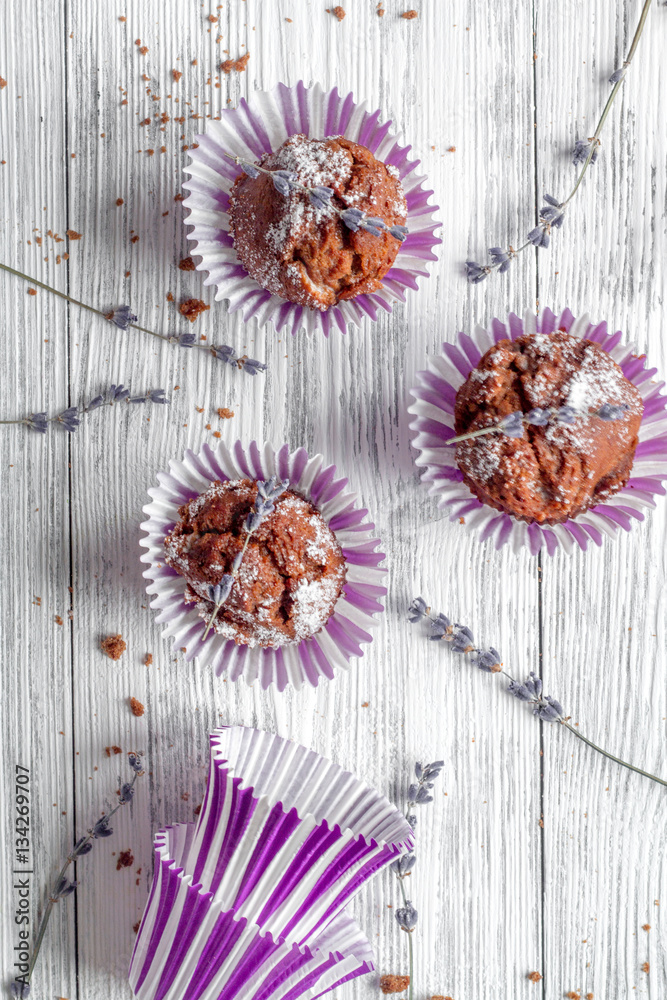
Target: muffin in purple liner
[(435, 433), (306, 659), (257, 130)]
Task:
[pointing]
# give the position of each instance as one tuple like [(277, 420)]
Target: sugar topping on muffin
[(556, 471), (291, 574), (304, 252)]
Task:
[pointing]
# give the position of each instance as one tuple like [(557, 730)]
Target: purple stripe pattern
[(263, 125), (433, 425), (341, 639), (248, 902)]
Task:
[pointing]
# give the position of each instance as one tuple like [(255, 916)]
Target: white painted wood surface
[(536, 854)]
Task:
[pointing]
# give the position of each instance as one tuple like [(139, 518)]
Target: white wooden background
[(536, 854)]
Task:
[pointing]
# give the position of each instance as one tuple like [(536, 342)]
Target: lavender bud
[(94, 403), (126, 792), (412, 821), (399, 233), (609, 411), (617, 75), (186, 339), (519, 691), (117, 393), (539, 237), (512, 424), (476, 272), (134, 762), (252, 367), (219, 592), (407, 917), (533, 684), (102, 828), (351, 217), (423, 797), (224, 352), (320, 197), (418, 771), (69, 419), (566, 415), (122, 317), (556, 705), (417, 610), (82, 846), (547, 713), (63, 887), (283, 181), (38, 422), (137, 399), (538, 417), (403, 866), (373, 226), (158, 396), (21, 991), (248, 168), (441, 628), (461, 639), (500, 258), (486, 659), (412, 794)]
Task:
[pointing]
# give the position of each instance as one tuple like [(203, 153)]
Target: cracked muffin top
[(292, 571), (557, 471), (306, 254)]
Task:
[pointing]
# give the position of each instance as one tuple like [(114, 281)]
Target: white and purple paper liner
[(261, 126), (246, 903), (346, 631), (433, 426)]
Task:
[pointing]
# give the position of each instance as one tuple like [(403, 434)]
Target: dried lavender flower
[(63, 885), (70, 419), (512, 424), (417, 610), (407, 918), (584, 154), (121, 317), (547, 709), (268, 492)]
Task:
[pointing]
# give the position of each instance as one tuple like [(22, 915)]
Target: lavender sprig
[(585, 153), (70, 418), (321, 198), (419, 794), (268, 492), (124, 319), (546, 708), (63, 885), (512, 425)]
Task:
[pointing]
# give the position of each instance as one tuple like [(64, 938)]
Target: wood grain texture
[(509, 87)]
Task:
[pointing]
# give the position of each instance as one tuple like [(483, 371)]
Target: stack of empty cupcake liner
[(248, 903)]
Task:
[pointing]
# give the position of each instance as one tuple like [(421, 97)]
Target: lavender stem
[(610, 756)]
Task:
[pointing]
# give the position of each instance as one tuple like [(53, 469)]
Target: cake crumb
[(646, 927), (646, 967), (364, 704), (119, 201), (73, 235), (114, 646), (32, 291), (534, 977), (451, 149), (337, 12), (192, 308), (143, 49), (125, 860), (380, 10), (187, 264), (573, 995), (57, 619), (3, 83), (225, 413), (135, 927), (410, 15), (112, 750), (170, 297), (217, 434), (136, 707), (235, 64), (179, 197), (394, 984), (177, 74), (148, 659)]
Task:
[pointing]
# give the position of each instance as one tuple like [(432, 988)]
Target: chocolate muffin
[(306, 254), (556, 471), (291, 575)]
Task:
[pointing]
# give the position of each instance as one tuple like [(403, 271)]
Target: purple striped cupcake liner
[(433, 425), (347, 630), (249, 901), (261, 126)]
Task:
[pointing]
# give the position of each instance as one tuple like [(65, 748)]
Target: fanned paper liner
[(433, 426), (248, 903), (261, 126), (307, 661)]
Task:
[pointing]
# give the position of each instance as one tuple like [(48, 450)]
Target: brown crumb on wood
[(112, 751), (125, 860), (143, 49), (646, 967), (217, 434), (135, 927), (197, 809), (337, 12), (192, 308), (364, 704), (212, 18), (394, 984), (170, 297), (73, 235), (179, 197), (187, 264), (134, 239), (32, 291), (589, 996), (3, 83), (114, 646), (410, 15), (451, 149), (177, 74), (57, 619), (148, 659), (573, 995), (122, 18), (119, 201), (235, 64), (224, 413), (646, 927), (534, 977), (136, 707)]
